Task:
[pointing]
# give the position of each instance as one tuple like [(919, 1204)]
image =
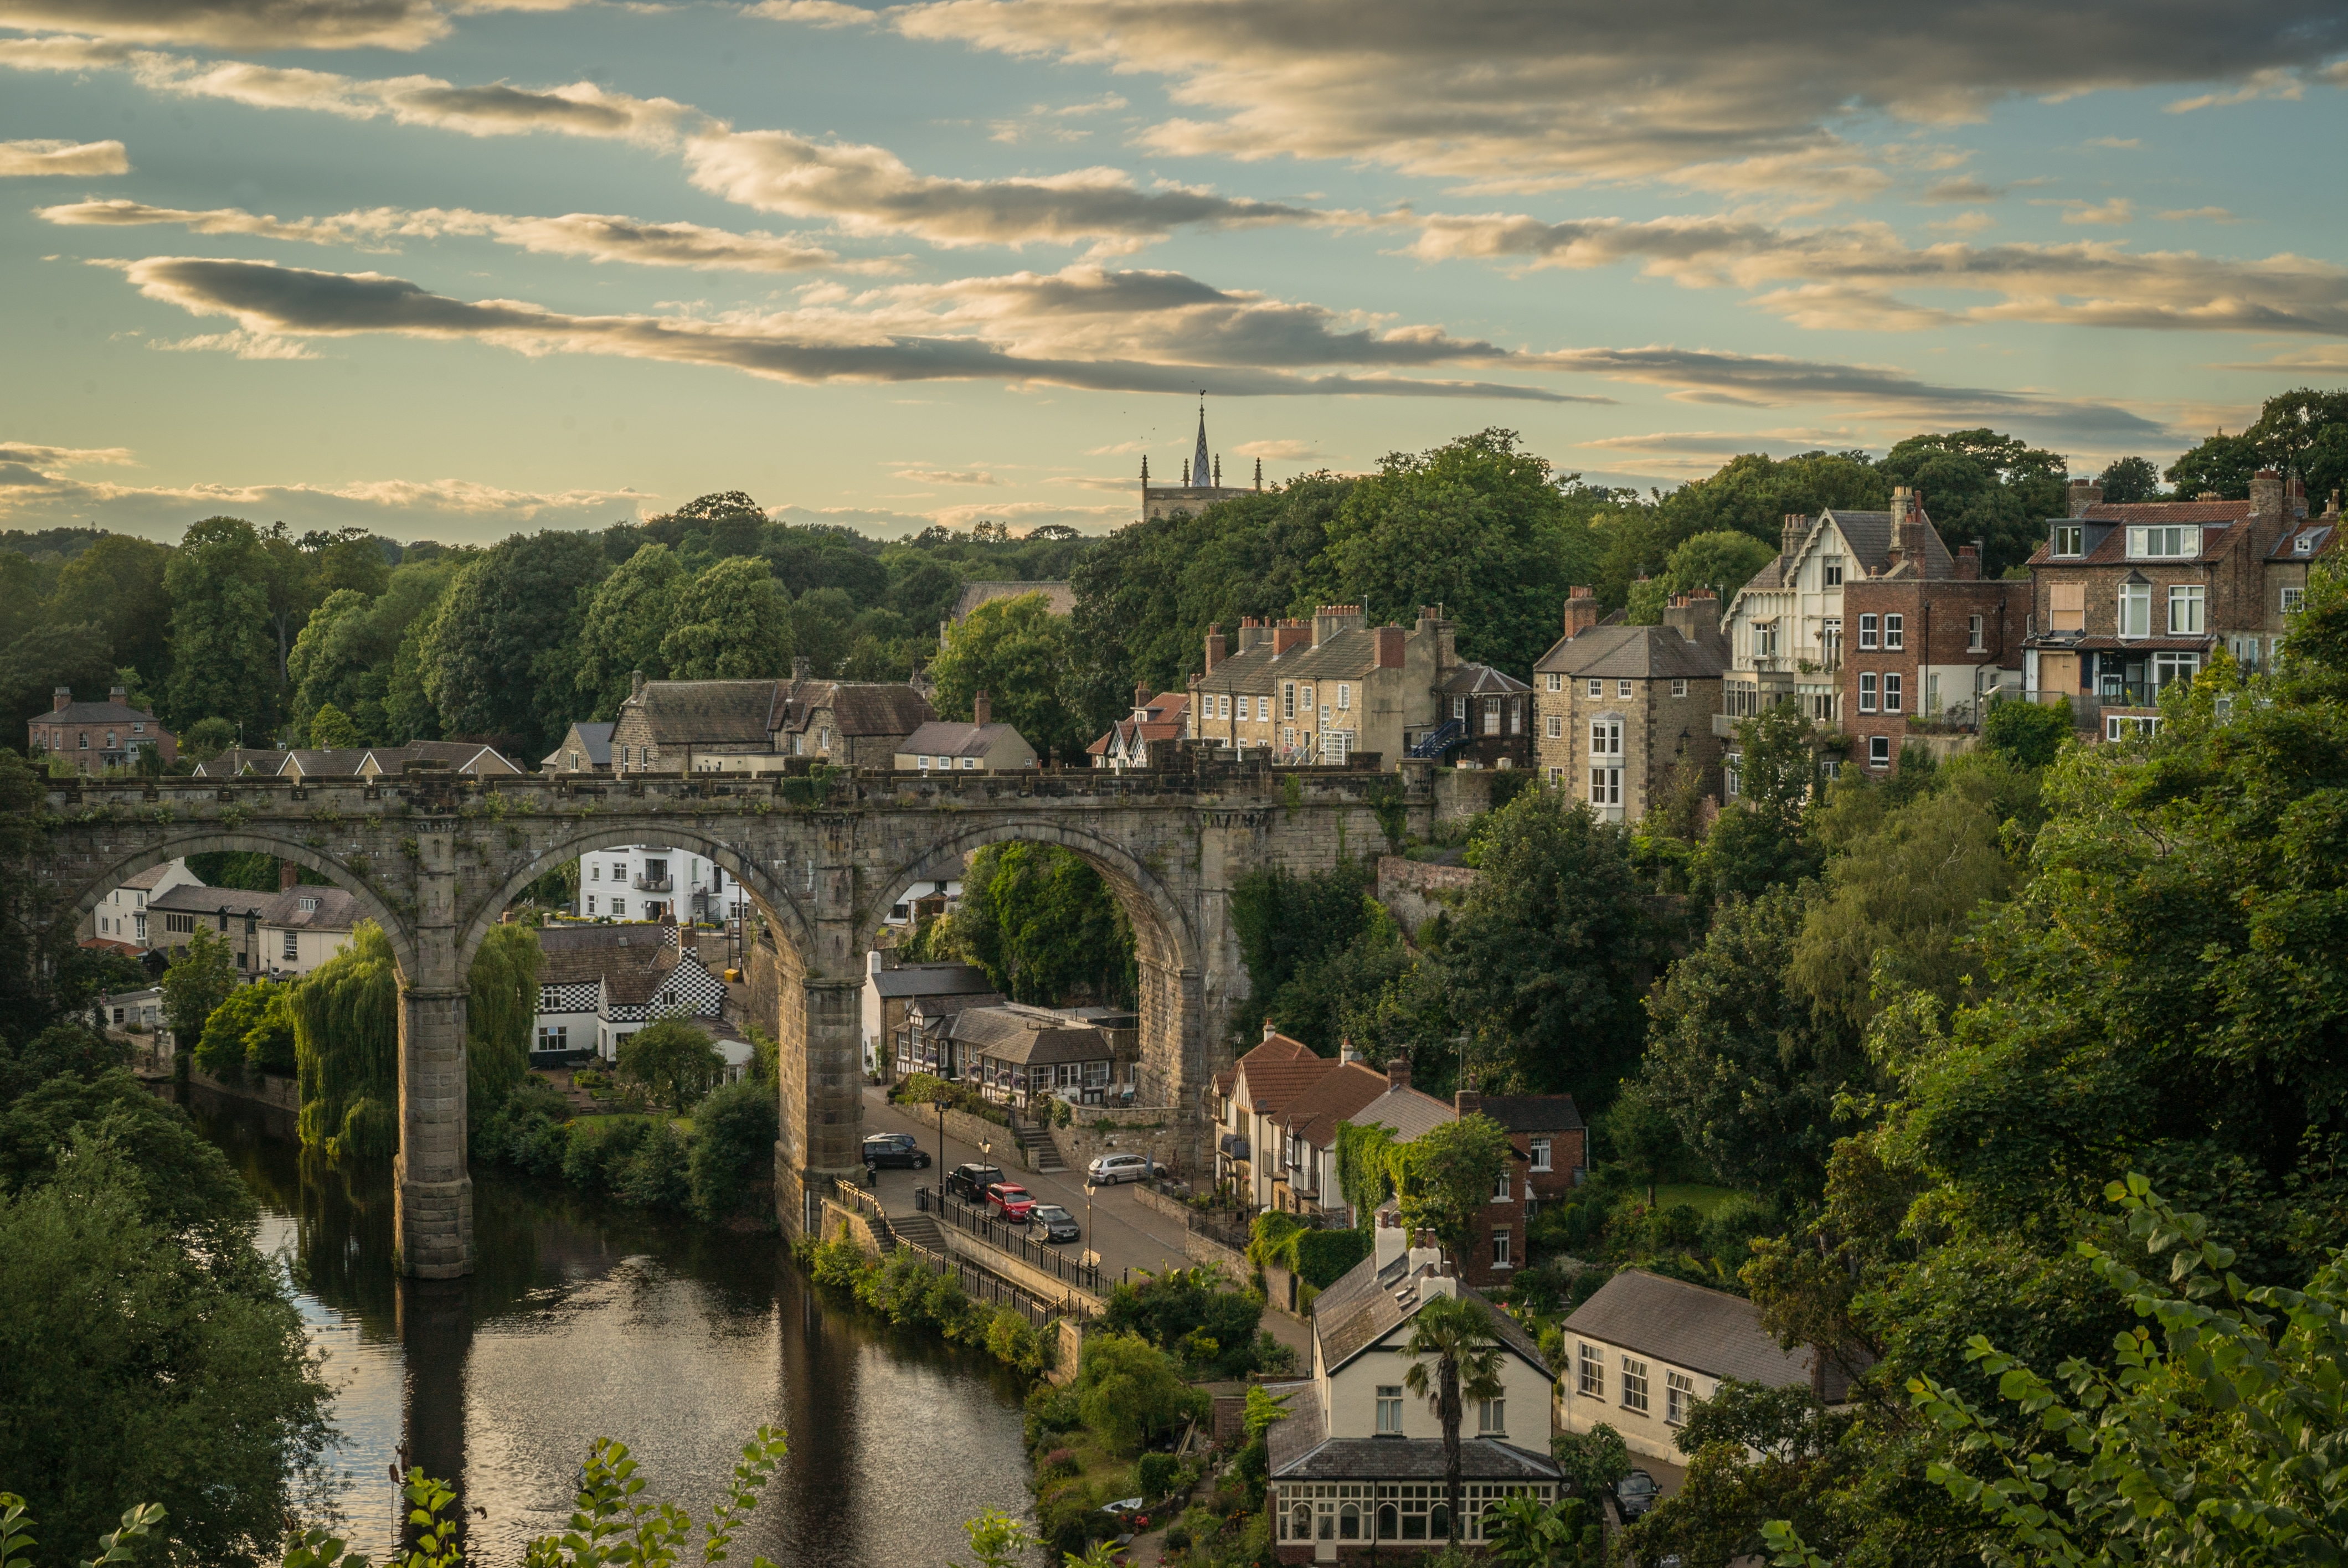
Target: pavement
[(1127, 1235)]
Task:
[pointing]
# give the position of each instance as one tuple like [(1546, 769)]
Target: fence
[(857, 1198), (981, 1285), (995, 1232)]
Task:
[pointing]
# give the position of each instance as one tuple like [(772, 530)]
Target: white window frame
[(1540, 1155), (1553, 727), (2127, 726), (2189, 608), (1590, 1372), (1502, 1240), (1893, 691), (1605, 737), (2292, 597), (1492, 1418), (1595, 687), (1634, 1385), (2135, 610), (1344, 695), (1895, 632), (292, 946), (1867, 691), (1389, 1400), (1606, 787), (1556, 682), (1830, 571), (1879, 750), (1679, 1396), (1679, 688), (1867, 635), (2068, 540), (1975, 631), (2164, 542)]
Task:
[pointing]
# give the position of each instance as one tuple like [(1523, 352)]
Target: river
[(584, 1320)]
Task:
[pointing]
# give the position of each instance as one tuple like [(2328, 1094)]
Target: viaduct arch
[(437, 859)]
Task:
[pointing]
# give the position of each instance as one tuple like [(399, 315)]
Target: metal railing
[(981, 1285), (857, 1198), (1010, 1239), (653, 884), (1437, 740)]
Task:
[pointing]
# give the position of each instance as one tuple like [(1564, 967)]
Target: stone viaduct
[(438, 858)]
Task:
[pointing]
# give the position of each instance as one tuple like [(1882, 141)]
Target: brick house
[(99, 735), (756, 726), (2128, 598), (2300, 548), (1546, 1131), (1927, 647), (1620, 707), (1153, 734)]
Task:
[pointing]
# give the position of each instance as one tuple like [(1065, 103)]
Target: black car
[(969, 1183), (1634, 1494), (895, 1148), (1056, 1222)]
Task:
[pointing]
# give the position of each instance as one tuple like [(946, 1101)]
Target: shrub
[(597, 1150), (529, 1132), (1128, 1390), (1013, 1340), (2030, 734), (1050, 1411), (734, 1150), (1154, 1476), (1061, 1463), (655, 1175), (1166, 1309)]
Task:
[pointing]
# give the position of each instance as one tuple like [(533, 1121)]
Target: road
[(1124, 1233)]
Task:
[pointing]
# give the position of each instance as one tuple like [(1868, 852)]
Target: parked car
[(969, 1183), (1110, 1169), (895, 1148), (1056, 1222), (1010, 1202), (1634, 1494)]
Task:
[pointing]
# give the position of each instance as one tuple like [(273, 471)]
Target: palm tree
[(1458, 1334)]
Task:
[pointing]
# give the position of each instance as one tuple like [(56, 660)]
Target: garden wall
[(1084, 1140)]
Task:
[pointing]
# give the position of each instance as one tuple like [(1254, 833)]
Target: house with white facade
[(599, 984), (119, 922), (1645, 1350), (892, 988), (647, 882), (1359, 1466), (304, 927), (949, 745)]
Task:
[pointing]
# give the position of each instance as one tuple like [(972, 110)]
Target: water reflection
[(584, 1320)]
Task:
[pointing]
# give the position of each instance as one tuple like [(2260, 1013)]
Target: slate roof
[(323, 763), (1300, 1448), (594, 738), (858, 708), (954, 738), (195, 898), (2107, 542), (1707, 1331), (154, 873), (1010, 1033), (105, 713), (336, 909), (1409, 1111), (1633, 653), (1251, 671), (1346, 655), (462, 756), (632, 974), (708, 713), (240, 760), (1869, 535), (1480, 681), (929, 980), (1059, 598), (1531, 1113), (1362, 1308), (2167, 511), (570, 936)]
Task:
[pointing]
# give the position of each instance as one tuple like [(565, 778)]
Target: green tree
[(499, 1013), (1455, 1358), (252, 1028), (731, 624), (2031, 735), (1018, 653), (1755, 1454), (199, 978), (347, 1049), (1979, 484), (1547, 955), (355, 562), (79, 657), (673, 1060), (1760, 840), (732, 1159), (1445, 1177), (501, 656), (1723, 562), (331, 728), (823, 630), (2131, 479), (1746, 1071), (1044, 925), (1593, 1462), (117, 584), (631, 612), (223, 648), (1475, 525), (1128, 1391)]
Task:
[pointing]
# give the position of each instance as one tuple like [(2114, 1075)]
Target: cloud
[(1281, 451), (82, 158), (596, 236), (238, 23), (1849, 275), (33, 493), (1081, 328), (1965, 190), (1694, 453), (2118, 210), (33, 454), (947, 477), (1046, 123), (1512, 96), (815, 12), (2116, 142), (240, 343), (1965, 223), (2201, 214), (2272, 83)]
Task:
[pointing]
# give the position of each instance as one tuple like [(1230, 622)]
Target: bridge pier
[(820, 1078), (432, 1195)]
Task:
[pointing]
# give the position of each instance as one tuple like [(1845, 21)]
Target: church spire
[(1200, 462)]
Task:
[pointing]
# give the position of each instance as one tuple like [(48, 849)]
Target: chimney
[(1270, 1032), (2333, 511), (1398, 1072), (1901, 552), (1389, 648), (635, 683), (1690, 613), (1969, 562), (1141, 701), (802, 669), (288, 878), (1346, 1052), (1287, 634), (1329, 620), (1388, 1239), (2294, 494), (119, 695), (1796, 526), (2084, 493), (1216, 649), (981, 711), (1424, 1253), (1465, 1102), (59, 698), (1581, 610)]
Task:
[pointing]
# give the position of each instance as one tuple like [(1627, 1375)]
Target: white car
[(1110, 1169)]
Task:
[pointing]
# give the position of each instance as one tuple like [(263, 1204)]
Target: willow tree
[(347, 1049), (500, 1014)]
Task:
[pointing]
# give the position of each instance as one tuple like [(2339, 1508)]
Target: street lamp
[(940, 1104), (1091, 1254)]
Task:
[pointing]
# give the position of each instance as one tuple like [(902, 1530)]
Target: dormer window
[(309, 905), (2303, 545), (2068, 539), (2170, 541)]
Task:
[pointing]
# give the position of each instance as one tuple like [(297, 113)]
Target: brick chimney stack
[(2294, 494), (1287, 634), (982, 709), (1390, 642), (1465, 1102), (1216, 649), (1969, 562), (1140, 702), (1581, 610), (2084, 493), (59, 698), (1398, 1072), (288, 877), (119, 695), (1795, 527)]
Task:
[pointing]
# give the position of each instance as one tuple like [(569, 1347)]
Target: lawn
[(1696, 1195)]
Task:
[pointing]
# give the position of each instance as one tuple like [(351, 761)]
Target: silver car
[(1110, 1169)]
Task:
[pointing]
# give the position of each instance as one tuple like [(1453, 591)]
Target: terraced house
[(762, 726), (99, 735), (1622, 708)]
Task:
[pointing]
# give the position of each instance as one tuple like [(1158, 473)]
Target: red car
[(1011, 1201)]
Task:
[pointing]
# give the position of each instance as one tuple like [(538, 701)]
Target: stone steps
[(921, 1229)]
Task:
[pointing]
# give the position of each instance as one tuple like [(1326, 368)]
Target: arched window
[(1300, 1522), (1439, 1523), (1389, 1522), (1349, 1521)]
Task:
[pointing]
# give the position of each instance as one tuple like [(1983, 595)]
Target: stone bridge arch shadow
[(1167, 950)]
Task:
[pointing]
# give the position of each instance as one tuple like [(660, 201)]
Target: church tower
[(1199, 485), (1199, 470)]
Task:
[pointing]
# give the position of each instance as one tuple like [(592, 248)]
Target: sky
[(452, 268)]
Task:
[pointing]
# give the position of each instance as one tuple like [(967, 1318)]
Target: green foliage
[(529, 1132), (732, 1160), (347, 1049), (1455, 1358), (1446, 1176), (2303, 429), (1760, 840), (1314, 945), (1979, 484), (673, 1061), (500, 1012), (1044, 925), (252, 1029), (2031, 735), (1021, 654), (2126, 480), (1364, 1166), (1755, 1453), (731, 624), (1568, 1534), (199, 978), (1128, 1391), (1185, 1307), (501, 655), (627, 616), (331, 728), (1723, 562), (1320, 1258), (1592, 1460), (223, 658), (1547, 955)]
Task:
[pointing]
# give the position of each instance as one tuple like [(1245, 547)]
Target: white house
[(120, 920), (1645, 1350), (645, 882), (597, 985), (1359, 1462), (1252, 1099), (891, 988), (304, 927)]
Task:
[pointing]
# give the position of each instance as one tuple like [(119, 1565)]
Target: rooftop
[(1707, 1331), (955, 738), (1634, 653)]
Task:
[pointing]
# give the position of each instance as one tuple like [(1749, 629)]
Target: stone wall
[(1412, 890), (266, 1089), (1082, 1141)]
